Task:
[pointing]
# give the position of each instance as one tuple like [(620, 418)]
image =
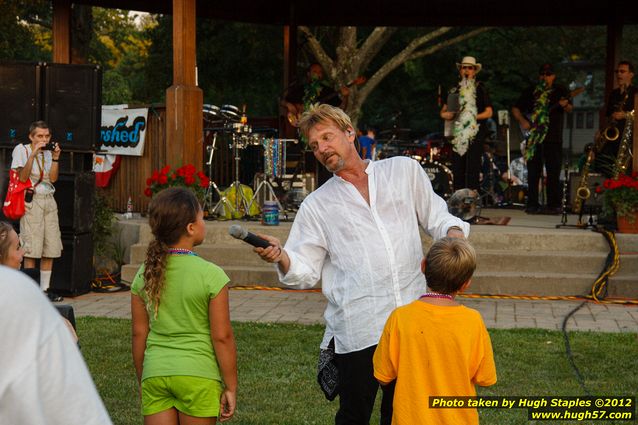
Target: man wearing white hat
[(470, 114)]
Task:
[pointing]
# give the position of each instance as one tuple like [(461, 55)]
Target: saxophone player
[(620, 101)]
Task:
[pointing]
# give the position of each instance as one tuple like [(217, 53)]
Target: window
[(589, 120), (580, 116)]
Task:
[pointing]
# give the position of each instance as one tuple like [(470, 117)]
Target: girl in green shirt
[(183, 345)]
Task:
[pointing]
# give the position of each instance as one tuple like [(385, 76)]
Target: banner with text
[(123, 131)]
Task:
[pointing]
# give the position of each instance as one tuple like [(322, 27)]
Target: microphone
[(238, 232)]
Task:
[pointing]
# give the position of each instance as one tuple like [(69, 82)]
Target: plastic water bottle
[(129, 208), (270, 214)]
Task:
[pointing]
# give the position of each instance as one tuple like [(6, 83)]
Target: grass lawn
[(277, 365)]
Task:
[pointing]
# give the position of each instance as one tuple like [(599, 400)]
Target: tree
[(17, 38), (353, 56)]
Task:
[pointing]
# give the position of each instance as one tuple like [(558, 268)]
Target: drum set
[(433, 153), (228, 124)]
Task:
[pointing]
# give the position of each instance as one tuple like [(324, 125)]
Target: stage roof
[(397, 12)]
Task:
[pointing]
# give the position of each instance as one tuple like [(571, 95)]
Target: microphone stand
[(223, 203), (504, 120)]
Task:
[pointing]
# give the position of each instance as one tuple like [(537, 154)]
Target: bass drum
[(440, 177)]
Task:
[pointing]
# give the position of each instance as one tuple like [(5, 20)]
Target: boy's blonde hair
[(449, 264), (320, 113)]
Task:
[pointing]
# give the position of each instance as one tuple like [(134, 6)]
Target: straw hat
[(469, 60)]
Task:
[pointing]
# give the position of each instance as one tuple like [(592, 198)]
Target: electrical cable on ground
[(598, 293), (568, 348)]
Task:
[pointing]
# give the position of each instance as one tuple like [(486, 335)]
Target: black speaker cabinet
[(73, 271), (74, 196), (73, 105), (594, 180), (20, 94)]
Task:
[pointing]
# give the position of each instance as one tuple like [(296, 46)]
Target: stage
[(528, 256)]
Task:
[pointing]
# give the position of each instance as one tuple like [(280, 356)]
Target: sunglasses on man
[(546, 74), (467, 67)]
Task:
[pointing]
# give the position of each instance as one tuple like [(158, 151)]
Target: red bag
[(13, 207)]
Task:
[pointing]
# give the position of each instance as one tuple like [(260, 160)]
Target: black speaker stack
[(69, 99)]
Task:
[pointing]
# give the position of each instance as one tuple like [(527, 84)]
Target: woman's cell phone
[(28, 195)]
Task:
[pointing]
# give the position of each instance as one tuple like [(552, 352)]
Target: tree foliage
[(21, 33)]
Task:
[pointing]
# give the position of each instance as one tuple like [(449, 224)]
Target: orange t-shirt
[(434, 350)]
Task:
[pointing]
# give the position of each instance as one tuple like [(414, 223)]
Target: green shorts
[(194, 396)]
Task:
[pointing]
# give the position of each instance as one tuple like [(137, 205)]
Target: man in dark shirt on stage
[(539, 112)]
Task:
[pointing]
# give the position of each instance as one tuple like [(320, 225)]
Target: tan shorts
[(39, 228)]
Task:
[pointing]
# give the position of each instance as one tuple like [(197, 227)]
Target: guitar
[(293, 118), (525, 132)]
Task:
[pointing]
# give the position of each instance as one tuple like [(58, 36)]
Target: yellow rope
[(600, 283), (478, 296)]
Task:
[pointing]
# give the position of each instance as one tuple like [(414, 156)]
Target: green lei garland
[(310, 97), (465, 127), (539, 120), (312, 91)]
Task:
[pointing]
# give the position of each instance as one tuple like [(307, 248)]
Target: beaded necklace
[(181, 251), (437, 295)]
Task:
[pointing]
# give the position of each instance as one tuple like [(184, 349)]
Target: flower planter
[(624, 226)]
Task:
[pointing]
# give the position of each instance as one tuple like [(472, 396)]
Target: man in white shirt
[(39, 227), (43, 378), (359, 234)]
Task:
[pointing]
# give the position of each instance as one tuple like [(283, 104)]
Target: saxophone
[(610, 133), (583, 193), (624, 150)]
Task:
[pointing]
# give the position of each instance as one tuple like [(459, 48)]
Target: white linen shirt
[(43, 378), (367, 256)]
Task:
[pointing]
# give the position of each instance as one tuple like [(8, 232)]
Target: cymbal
[(394, 131), (393, 142)]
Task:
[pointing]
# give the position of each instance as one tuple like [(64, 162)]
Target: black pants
[(358, 389), (467, 168), (551, 154)]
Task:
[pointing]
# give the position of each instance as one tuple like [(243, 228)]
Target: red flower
[(185, 176), (189, 169)]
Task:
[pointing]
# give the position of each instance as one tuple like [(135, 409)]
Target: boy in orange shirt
[(436, 346)]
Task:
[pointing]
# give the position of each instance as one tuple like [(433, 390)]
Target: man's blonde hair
[(320, 113), (449, 264)]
